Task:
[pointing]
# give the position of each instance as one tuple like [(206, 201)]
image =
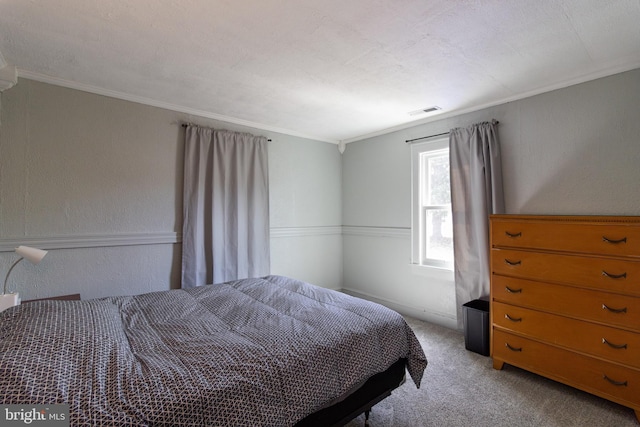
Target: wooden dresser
[(565, 301)]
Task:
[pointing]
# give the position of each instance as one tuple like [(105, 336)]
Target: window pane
[(439, 188), (439, 235), (432, 227)]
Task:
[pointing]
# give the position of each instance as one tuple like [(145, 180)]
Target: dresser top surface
[(567, 218)]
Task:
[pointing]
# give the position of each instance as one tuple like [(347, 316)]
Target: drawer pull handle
[(614, 241), (513, 235), (513, 319), (513, 348), (614, 310), (513, 291), (614, 382), (614, 276), (514, 263), (616, 346)]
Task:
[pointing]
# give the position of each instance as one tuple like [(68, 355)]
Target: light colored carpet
[(461, 388)]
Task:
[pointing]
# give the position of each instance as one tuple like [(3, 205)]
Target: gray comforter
[(259, 352)]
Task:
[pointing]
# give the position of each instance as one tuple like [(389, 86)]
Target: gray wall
[(101, 180), (571, 151)]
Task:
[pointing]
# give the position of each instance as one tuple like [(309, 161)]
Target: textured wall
[(78, 167), (306, 210), (571, 151), (77, 164)]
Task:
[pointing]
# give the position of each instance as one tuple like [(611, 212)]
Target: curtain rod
[(425, 137), (408, 141), (184, 125)]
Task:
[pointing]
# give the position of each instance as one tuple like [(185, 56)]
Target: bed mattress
[(261, 352)]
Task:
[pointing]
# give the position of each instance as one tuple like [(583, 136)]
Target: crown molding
[(606, 72), (160, 104), (8, 76)]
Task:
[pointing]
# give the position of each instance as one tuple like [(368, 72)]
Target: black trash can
[(475, 315)]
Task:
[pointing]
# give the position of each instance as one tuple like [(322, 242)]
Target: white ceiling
[(325, 69)]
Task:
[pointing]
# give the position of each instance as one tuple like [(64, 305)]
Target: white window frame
[(434, 147)]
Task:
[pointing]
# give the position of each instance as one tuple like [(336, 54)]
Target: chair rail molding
[(91, 240), (73, 241), (365, 231), (277, 232)]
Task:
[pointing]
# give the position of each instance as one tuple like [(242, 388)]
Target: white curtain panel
[(225, 234), (476, 192)]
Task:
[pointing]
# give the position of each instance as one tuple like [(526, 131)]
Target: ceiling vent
[(425, 110)]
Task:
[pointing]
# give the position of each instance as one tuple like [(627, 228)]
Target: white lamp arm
[(6, 278)]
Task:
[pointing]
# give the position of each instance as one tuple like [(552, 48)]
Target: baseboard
[(438, 318)]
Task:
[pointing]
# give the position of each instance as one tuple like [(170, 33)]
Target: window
[(432, 227)]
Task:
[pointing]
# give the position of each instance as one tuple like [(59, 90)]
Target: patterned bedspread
[(259, 352)]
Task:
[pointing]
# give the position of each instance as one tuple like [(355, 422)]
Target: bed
[(269, 351)]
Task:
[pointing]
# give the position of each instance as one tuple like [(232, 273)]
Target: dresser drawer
[(570, 236), (610, 343), (604, 379), (607, 308), (592, 272)]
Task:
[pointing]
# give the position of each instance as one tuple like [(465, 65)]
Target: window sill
[(432, 272)]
